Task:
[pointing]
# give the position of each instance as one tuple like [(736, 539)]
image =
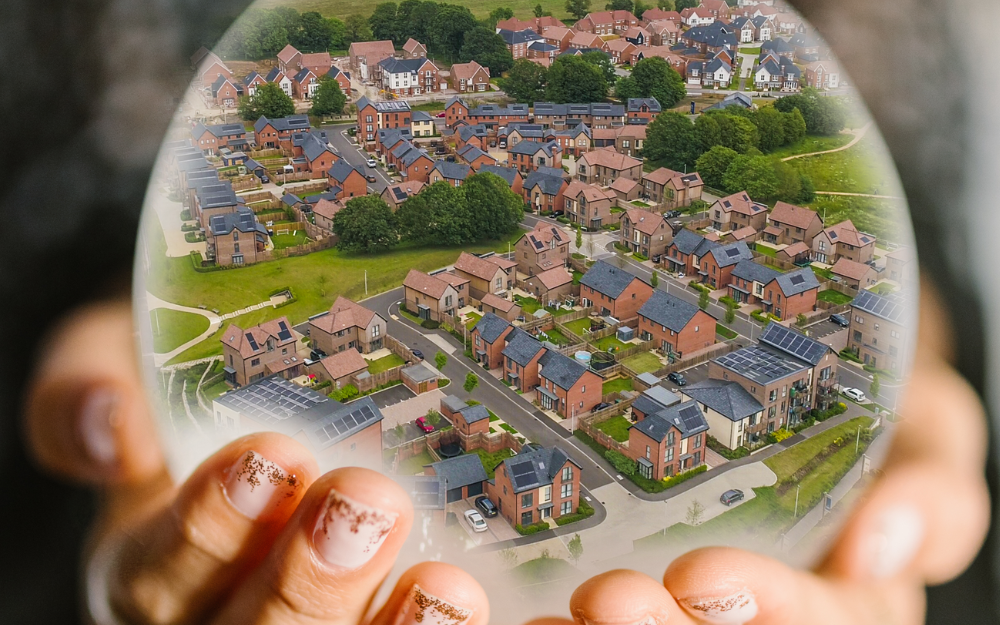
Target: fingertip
[(435, 593), (722, 585), (622, 597)]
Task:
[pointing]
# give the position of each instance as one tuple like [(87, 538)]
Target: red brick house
[(521, 356), (716, 266), (226, 91), (413, 49), (488, 340), (607, 22), (589, 205), (567, 387), (210, 67), (671, 188), (340, 368), (791, 294), (255, 353), (843, 240), (544, 190), (510, 175), (365, 57), (677, 326), (526, 156), (550, 287), (470, 77), (214, 137), (434, 296), (613, 291), (342, 79), (412, 163), (346, 177), (642, 110), (541, 249), (669, 441), (455, 111), (380, 115), (537, 484), (620, 50), (558, 37), (475, 157), (789, 224), (277, 133), (738, 211), (604, 165), (645, 232), (684, 252), (857, 275)]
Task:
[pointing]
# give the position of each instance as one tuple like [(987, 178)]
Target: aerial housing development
[(524, 302)]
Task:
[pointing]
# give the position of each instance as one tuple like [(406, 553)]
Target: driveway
[(392, 395), (498, 530), (406, 411), (168, 213)]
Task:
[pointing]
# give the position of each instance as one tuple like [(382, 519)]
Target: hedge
[(345, 393), (620, 462), (725, 452), (534, 528), (583, 512), (778, 436)]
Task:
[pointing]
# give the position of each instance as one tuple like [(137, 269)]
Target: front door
[(545, 512)]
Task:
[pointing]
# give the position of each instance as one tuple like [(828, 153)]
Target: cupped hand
[(254, 535), (921, 524)]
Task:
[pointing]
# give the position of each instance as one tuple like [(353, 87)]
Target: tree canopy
[(365, 224), (525, 82), (269, 101), (486, 47), (356, 28), (573, 79), (578, 8), (446, 32), (671, 138), (655, 78), (262, 33), (328, 99), (713, 165), (384, 21), (824, 115)]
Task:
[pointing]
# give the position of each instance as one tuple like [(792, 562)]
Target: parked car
[(731, 496), (855, 394), (476, 520), (840, 320), (264, 179), (601, 406), (672, 214), (450, 158), (440, 115), (371, 178), (419, 355), (371, 162), (423, 425), (677, 378), (656, 258), (486, 507)]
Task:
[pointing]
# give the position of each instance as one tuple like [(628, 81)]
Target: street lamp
[(857, 443), (797, 489)]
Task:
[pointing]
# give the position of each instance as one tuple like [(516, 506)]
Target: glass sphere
[(663, 298)]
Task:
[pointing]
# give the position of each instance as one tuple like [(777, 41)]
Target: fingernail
[(647, 620), (897, 537), (256, 485), (97, 425), (349, 533), (423, 608), (733, 609)]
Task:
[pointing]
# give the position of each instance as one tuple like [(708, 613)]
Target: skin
[(183, 553)]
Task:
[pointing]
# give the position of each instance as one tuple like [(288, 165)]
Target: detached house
[(791, 294), (604, 165), (281, 79), (277, 133), (567, 387), (550, 287), (252, 354), (668, 442), (490, 274), (395, 194), (374, 116), (589, 205), (365, 57), (677, 326), (347, 325), (413, 49), (470, 77), (729, 410), (878, 331), (252, 82), (340, 368), (214, 137), (737, 211), (503, 308), (518, 41), (454, 174), (535, 485), (642, 110), (671, 188), (790, 224), (613, 291), (488, 340), (510, 175), (408, 77), (432, 297), (645, 233), (236, 238), (527, 156), (621, 51), (346, 177), (304, 84), (542, 249), (843, 240), (544, 189), (226, 91), (607, 22), (474, 157), (822, 75)]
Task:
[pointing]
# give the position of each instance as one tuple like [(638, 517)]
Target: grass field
[(414, 465), (175, 328), (765, 250), (579, 327), (813, 143), (315, 280), (556, 337), (858, 169), (616, 428), (617, 385), (385, 363), (875, 215), (644, 362), (343, 8), (608, 342), (281, 241), (834, 297)]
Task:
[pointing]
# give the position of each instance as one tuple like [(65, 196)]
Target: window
[(526, 518), (255, 362), (697, 441), (669, 456), (526, 500), (567, 474), (566, 490), (566, 508), (670, 438)]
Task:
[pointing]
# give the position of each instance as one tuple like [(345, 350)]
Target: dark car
[(450, 159), (672, 214), (731, 496), (840, 320), (601, 406), (419, 355), (371, 177), (265, 179), (677, 378), (486, 507)]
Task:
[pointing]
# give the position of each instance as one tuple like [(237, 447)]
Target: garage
[(455, 494), (464, 476), (476, 489)]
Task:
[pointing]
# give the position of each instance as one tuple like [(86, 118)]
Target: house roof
[(795, 249), (514, 37), (554, 278), (607, 279), (243, 220), (460, 471), (467, 132), (343, 314), (468, 70), (642, 220), (421, 116), (624, 185), (759, 364), (384, 106), (796, 282), (591, 192), (341, 170), (531, 147), (561, 370), (282, 124), (850, 269), (845, 232), (889, 307), (474, 413), (509, 174), (731, 254), (547, 181), (370, 48), (327, 208), (636, 104), (288, 53), (535, 467), (688, 241), (218, 130), (543, 234), (471, 152), (619, 45), (392, 65), (522, 347), (556, 32), (778, 45), (686, 417), (726, 398), (668, 310), (743, 233), (412, 45), (754, 272), (794, 215), (608, 157), (427, 492), (482, 268), (420, 372), (454, 404), (491, 327), (794, 343), (497, 302), (427, 284), (452, 171), (316, 59), (659, 14), (402, 191), (635, 31), (253, 340), (742, 204), (344, 363)]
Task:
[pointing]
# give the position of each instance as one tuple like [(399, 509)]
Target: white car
[(476, 520), (855, 394), (371, 162)]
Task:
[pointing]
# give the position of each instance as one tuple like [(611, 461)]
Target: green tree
[(419, 18), (640, 8), (736, 132), (666, 5), (365, 224), (471, 382), (438, 215), (626, 88), (714, 164), (572, 79), (654, 279), (695, 513), (269, 101), (384, 21), (703, 300), (311, 34), (795, 126), (708, 131), (433, 417), (356, 28), (487, 48), (789, 182), (579, 237), (770, 124), (671, 138), (495, 210), (525, 82), (808, 192), (823, 115), (801, 320), (538, 11), (575, 548), (655, 78), (601, 61), (874, 387), (440, 360), (499, 14), (753, 174), (730, 311), (329, 99), (446, 32), (400, 432), (338, 33), (619, 5), (680, 5), (578, 8)]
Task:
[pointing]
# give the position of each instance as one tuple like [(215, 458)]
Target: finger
[(432, 593), (928, 514), (624, 597), (86, 417), (332, 555), (179, 564), (723, 586)]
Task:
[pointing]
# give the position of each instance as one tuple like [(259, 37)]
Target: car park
[(677, 378), (476, 520), (423, 425), (731, 496), (854, 394), (486, 507), (840, 320)]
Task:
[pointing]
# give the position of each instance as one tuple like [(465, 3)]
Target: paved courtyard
[(409, 409)]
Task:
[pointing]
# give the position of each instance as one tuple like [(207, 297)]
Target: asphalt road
[(341, 142)]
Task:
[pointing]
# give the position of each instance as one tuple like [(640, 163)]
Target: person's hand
[(921, 524), (254, 535)]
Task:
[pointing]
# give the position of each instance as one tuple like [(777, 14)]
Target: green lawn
[(173, 328), (724, 332), (385, 363), (529, 305), (644, 362), (616, 428), (543, 570), (343, 8), (875, 215), (825, 274), (579, 327), (473, 320), (490, 461), (428, 106), (577, 276), (414, 465), (859, 169), (813, 143), (834, 297), (281, 241), (617, 385), (765, 250), (609, 342), (215, 390), (556, 337), (315, 279)]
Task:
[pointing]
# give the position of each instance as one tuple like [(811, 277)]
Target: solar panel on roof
[(252, 341), (797, 279), (833, 234), (732, 252)]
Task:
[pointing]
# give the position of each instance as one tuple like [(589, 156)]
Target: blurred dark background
[(87, 89)]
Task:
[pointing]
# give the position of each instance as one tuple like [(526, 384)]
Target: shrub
[(345, 393), (430, 324), (622, 463), (639, 256), (780, 435), (534, 528), (584, 511), (725, 452), (680, 478)]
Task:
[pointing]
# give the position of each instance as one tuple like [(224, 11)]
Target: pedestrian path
[(153, 302), (857, 137)]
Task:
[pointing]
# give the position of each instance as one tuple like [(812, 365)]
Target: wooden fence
[(771, 261), (298, 250), (374, 380), (714, 351), (398, 348), (645, 346)]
